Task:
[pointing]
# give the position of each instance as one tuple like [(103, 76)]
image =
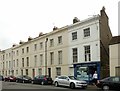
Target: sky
[(20, 19)]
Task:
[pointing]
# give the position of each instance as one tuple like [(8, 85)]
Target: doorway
[(49, 72), (33, 71)]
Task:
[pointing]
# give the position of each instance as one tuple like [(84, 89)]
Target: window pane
[(51, 42), (87, 53), (86, 32), (51, 58), (58, 71), (59, 57), (35, 47), (75, 58), (27, 61), (59, 39), (41, 59), (35, 58), (74, 35), (41, 45)]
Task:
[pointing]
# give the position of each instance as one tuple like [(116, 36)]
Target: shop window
[(82, 73)]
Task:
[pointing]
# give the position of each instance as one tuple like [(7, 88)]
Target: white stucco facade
[(61, 51), (93, 40)]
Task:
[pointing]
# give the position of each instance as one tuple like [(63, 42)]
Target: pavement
[(92, 87)]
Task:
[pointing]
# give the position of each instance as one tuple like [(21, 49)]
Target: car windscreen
[(72, 78), (27, 77)]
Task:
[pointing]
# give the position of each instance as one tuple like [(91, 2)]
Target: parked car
[(10, 78), (109, 83), (1, 78), (24, 79), (42, 79), (69, 81)]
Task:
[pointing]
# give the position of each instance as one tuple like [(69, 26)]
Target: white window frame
[(41, 59), (74, 35), (35, 60), (58, 71), (75, 54), (51, 58), (59, 57), (51, 42), (87, 52), (86, 32), (59, 39)]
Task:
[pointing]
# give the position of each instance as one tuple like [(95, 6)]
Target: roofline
[(58, 30), (94, 17)]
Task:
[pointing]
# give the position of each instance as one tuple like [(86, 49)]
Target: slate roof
[(115, 40)]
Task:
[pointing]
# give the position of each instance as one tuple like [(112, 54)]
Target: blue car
[(42, 79), (24, 79)]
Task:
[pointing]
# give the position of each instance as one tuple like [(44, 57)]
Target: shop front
[(85, 71)]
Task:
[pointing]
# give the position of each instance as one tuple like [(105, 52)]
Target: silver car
[(69, 81)]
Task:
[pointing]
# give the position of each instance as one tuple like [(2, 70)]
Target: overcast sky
[(20, 19)]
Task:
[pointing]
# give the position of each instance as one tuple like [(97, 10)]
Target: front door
[(49, 72), (33, 72), (21, 72)]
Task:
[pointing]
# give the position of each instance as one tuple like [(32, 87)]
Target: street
[(13, 86)]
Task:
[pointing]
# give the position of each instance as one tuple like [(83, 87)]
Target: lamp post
[(46, 56)]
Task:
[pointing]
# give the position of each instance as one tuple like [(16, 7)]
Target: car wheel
[(56, 84), (32, 82), (72, 85), (105, 87), (42, 83), (16, 80)]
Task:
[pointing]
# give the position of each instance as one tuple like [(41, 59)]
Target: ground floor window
[(21, 72), (40, 71), (82, 73), (26, 71), (33, 72), (85, 71), (6, 73), (58, 71), (9, 72), (16, 72)]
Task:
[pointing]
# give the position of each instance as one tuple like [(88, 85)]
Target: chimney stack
[(14, 45), (55, 28), (75, 20), (21, 42), (30, 38), (40, 34)]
